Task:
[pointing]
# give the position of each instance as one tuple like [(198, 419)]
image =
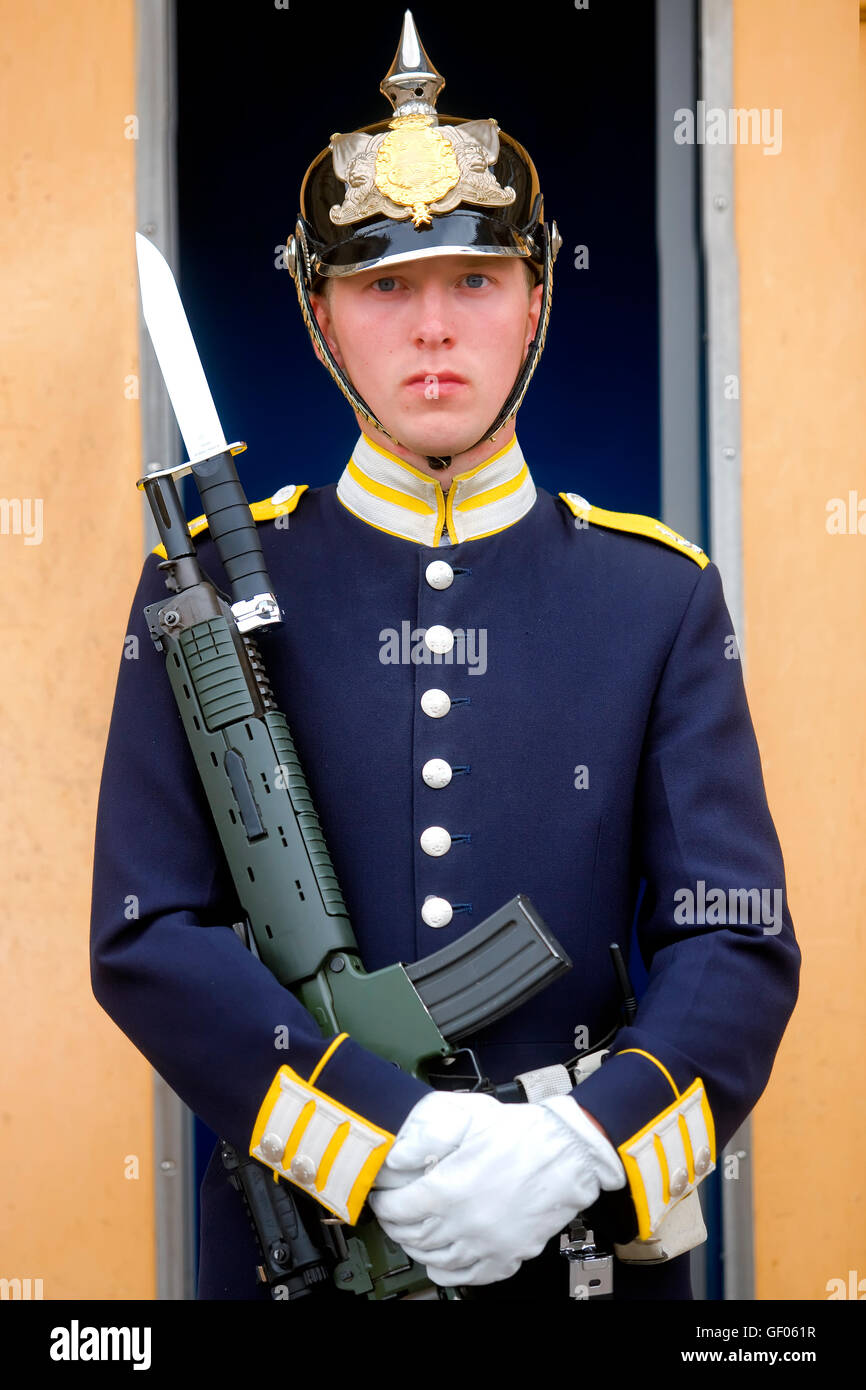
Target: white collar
[(396, 497)]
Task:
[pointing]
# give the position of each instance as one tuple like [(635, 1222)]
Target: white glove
[(432, 1129), (489, 1184)]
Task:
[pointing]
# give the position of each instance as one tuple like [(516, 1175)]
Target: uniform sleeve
[(174, 976), (714, 928)]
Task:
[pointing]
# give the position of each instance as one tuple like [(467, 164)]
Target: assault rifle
[(295, 917)]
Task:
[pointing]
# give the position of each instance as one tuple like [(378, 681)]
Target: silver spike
[(411, 84)]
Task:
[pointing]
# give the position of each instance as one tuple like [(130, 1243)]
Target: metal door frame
[(156, 216), (699, 353)]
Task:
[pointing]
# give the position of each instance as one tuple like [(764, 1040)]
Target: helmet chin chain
[(302, 275)]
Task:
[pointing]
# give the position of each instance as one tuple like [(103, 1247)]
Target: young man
[(491, 691)]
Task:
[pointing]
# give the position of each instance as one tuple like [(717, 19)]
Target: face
[(434, 346)]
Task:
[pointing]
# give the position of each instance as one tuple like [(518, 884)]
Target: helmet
[(414, 186)]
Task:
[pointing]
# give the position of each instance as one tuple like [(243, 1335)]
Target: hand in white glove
[(433, 1128), (489, 1184)]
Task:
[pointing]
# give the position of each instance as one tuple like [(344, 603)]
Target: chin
[(439, 437)]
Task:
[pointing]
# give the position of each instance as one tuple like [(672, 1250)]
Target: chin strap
[(301, 269)]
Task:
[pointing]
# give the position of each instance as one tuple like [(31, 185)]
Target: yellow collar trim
[(389, 494), (394, 496)]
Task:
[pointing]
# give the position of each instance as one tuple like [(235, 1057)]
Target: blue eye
[(475, 275), (385, 280)]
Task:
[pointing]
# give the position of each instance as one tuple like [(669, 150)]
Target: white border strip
[(156, 188), (722, 273)]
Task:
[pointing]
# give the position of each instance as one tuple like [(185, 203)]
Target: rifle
[(295, 917)]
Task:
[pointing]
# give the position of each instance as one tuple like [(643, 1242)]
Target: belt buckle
[(590, 1270)]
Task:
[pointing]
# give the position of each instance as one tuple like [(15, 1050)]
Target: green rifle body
[(276, 851)]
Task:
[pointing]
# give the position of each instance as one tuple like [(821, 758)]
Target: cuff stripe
[(326, 1056), (687, 1145), (334, 1146), (663, 1165), (297, 1133), (640, 1052)]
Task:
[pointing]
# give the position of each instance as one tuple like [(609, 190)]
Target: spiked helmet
[(413, 186)]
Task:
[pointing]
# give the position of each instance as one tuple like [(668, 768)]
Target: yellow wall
[(76, 1094), (801, 230)]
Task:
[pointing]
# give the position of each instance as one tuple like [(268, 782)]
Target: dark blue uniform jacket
[(605, 651)]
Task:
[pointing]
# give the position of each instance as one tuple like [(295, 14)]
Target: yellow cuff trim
[(297, 1133), (687, 1148), (655, 1061), (326, 1056), (265, 510), (317, 1143), (636, 524), (329, 1155), (667, 1158), (659, 1148)]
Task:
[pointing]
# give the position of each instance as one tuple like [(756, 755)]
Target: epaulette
[(282, 502), (637, 525)]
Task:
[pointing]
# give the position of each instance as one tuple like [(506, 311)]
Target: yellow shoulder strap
[(637, 525), (280, 504)]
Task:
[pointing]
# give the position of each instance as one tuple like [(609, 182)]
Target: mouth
[(434, 384)]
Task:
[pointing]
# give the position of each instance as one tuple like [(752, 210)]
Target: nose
[(432, 326)]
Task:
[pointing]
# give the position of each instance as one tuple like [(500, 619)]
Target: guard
[(491, 690)]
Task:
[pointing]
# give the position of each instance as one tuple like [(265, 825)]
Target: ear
[(319, 305)]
